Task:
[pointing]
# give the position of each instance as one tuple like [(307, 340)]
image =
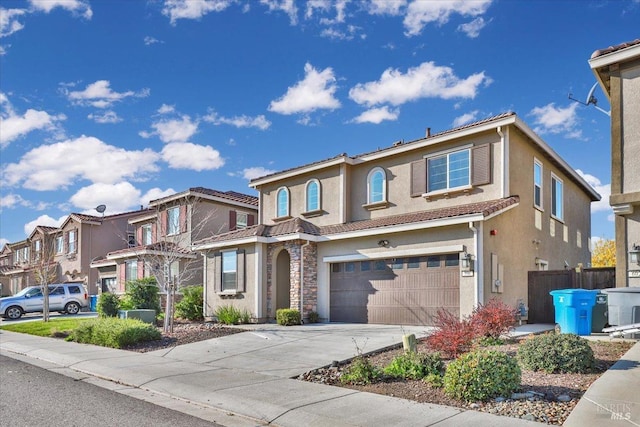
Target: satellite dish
[(591, 100), (101, 208)]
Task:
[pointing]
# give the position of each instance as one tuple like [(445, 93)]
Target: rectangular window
[(380, 265), (59, 244), (71, 236), (229, 271), (365, 265), (37, 248), (452, 260), (397, 263), (173, 220), (131, 270), (147, 238), (448, 171), (556, 198), (242, 220), (413, 262), (537, 184), (336, 268), (433, 261), (349, 267)]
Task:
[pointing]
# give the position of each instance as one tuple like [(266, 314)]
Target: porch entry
[(283, 280)]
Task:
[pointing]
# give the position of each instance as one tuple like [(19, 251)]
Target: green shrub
[(415, 366), (108, 305), (230, 315), (143, 294), (288, 317), (554, 353), (190, 307), (113, 332), (360, 371), (313, 317), (482, 375)]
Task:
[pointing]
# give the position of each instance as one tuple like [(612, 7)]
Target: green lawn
[(45, 329)]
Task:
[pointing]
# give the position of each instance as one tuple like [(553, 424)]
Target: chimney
[(428, 132)]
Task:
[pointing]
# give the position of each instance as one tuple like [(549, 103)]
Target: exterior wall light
[(383, 243), (466, 262), (634, 254)]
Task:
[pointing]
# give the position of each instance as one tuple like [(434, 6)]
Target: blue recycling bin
[(573, 308), (93, 302)]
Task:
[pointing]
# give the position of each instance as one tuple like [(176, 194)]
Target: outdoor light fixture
[(634, 254), (466, 262), (383, 243)]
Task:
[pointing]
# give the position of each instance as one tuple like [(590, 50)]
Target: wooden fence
[(541, 308)]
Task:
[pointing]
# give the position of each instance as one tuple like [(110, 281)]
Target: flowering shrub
[(493, 319), (452, 336)]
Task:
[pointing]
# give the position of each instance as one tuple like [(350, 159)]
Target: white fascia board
[(370, 254), (618, 56), (299, 171), (135, 254), (426, 142), (548, 150), (103, 263), (182, 195), (402, 228), (143, 218), (229, 243)]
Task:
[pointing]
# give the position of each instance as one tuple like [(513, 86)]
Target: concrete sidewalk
[(245, 376)]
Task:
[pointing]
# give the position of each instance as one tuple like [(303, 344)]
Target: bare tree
[(45, 269)]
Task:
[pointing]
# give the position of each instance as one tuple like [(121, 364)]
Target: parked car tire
[(14, 312), (72, 308)]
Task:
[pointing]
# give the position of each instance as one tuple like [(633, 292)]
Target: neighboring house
[(162, 237), (617, 69), (64, 254), (446, 221)]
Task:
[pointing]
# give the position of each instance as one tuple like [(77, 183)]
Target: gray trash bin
[(623, 306), (599, 316)]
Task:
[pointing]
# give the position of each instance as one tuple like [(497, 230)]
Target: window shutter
[(217, 271), (183, 218), (164, 223), (418, 178), (138, 236), (251, 220), (241, 272), (232, 220), (154, 230), (481, 165)]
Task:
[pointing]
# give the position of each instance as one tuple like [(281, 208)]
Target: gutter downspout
[(204, 284), (478, 277), (504, 144), (302, 278)]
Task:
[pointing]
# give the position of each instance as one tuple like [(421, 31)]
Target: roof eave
[(299, 170)]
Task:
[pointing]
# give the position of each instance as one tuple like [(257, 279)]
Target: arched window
[(313, 195), (282, 207), (376, 186)]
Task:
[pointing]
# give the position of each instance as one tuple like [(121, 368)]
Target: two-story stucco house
[(161, 237), (65, 253), (449, 220), (617, 69)]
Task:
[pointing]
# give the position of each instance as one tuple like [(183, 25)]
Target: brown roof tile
[(229, 195), (158, 246), (611, 49)]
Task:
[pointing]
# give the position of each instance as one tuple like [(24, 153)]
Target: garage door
[(400, 291)]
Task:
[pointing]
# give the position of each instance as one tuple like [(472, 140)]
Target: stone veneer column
[(310, 279)]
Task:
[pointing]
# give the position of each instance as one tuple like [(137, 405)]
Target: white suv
[(63, 297)]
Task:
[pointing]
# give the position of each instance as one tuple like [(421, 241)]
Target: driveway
[(288, 351)]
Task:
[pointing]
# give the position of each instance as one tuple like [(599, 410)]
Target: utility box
[(623, 305), (147, 316), (574, 310)]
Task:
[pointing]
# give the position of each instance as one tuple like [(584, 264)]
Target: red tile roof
[(232, 196), (157, 247), (298, 225), (611, 49)]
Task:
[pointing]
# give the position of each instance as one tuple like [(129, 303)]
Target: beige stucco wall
[(630, 81), (254, 299), (207, 218), (420, 242)]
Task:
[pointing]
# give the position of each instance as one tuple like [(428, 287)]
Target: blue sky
[(120, 102)]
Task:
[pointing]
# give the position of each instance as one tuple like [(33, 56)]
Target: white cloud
[(557, 120), (11, 200), (185, 155), (424, 81), (173, 130), (166, 109), (100, 95), (349, 33), (118, 197), (55, 166), (154, 194), (603, 189), (256, 172), (243, 121), (192, 9), (377, 115), (13, 125), (45, 220), (106, 117), (78, 7), (472, 29), (386, 7), (3, 242), (315, 91), (148, 41), (465, 118), (286, 6), (420, 13), (9, 23)]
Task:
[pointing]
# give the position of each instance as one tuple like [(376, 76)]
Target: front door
[(283, 280)]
